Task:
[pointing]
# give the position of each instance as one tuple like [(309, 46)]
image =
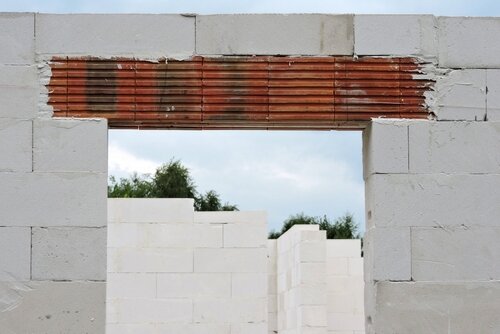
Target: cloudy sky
[(283, 173)]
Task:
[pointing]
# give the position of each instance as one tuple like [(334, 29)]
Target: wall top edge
[(243, 14)]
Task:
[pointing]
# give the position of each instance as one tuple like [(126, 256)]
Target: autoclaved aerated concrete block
[(69, 253), (273, 34), (493, 95), (168, 328), (150, 210), (150, 260), (245, 235), (174, 235), (312, 316), (17, 38), (57, 307), (194, 285), (53, 199), (18, 91), (249, 285), (15, 145), (440, 307), (142, 310), (455, 254), (420, 199), (249, 328), (343, 248), (312, 251), (455, 147), (469, 42), (395, 35), (134, 35), (461, 95), (131, 285), (225, 260), (345, 322), (226, 217), (388, 254), (230, 310), (79, 145), (385, 147), (15, 247)]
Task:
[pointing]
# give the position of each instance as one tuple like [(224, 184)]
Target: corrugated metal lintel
[(316, 93)]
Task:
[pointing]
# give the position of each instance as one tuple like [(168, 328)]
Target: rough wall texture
[(52, 202), (432, 226)]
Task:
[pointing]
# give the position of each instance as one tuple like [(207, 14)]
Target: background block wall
[(180, 270), (301, 285), (345, 287)]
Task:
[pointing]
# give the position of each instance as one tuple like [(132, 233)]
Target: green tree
[(343, 227), (134, 186), (171, 180), (210, 201)]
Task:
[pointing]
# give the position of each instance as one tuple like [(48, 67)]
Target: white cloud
[(121, 162)]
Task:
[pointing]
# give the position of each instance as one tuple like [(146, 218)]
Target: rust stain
[(239, 92)]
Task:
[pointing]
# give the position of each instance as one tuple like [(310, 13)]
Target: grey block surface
[(53, 199), (432, 200), (15, 253), (138, 35), (69, 253), (56, 308), (15, 145), (416, 308), (455, 147), (469, 42), (395, 35), (387, 254), (493, 95), (455, 254), (461, 95), (18, 91), (79, 145), (385, 147), (17, 38), (268, 34)]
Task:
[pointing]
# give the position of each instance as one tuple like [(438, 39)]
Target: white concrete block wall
[(176, 269), (18, 90), (468, 42), (452, 165), (301, 285), (274, 34), (404, 35), (134, 35), (17, 38), (53, 178), (430, 232), (493, 95), (345, 287), (272, 286)]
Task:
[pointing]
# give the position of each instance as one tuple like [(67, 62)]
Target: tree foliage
[(343, 227), (210, 201), (171, 180), (134, 186)]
